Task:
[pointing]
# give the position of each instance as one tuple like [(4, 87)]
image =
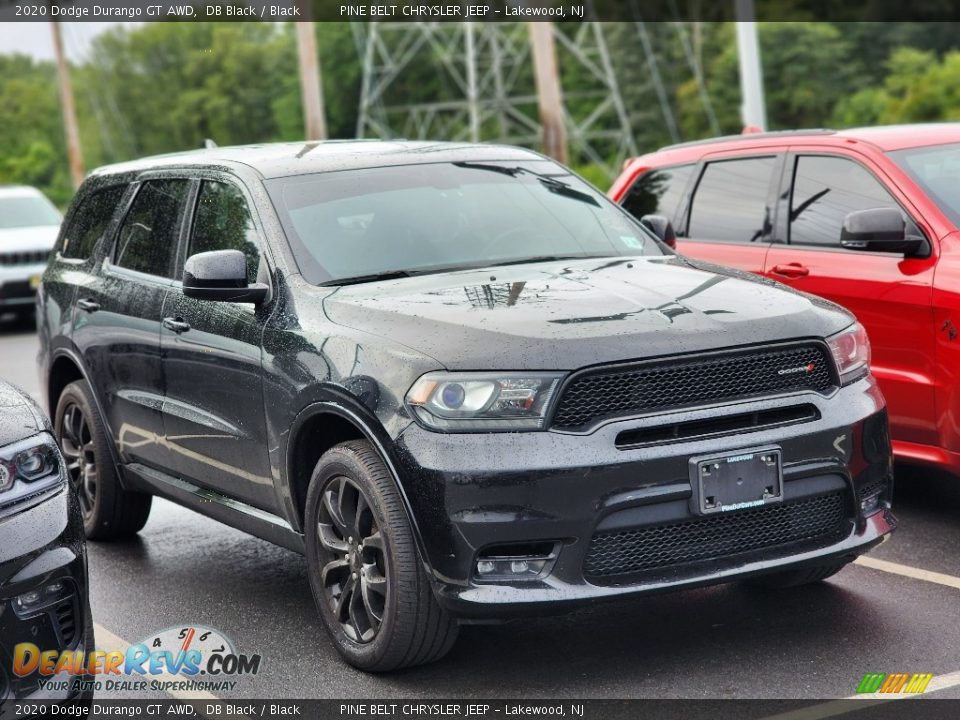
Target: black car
[(43, 560), (456, 377)]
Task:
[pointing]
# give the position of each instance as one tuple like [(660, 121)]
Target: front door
[(890, 295), (213, 412)]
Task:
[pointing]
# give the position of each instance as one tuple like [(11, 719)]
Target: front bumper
[(42, 545), (605, 508), (18, 285)]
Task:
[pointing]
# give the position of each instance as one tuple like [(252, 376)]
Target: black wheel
[(108, 510), (796, 577), (365, 572)]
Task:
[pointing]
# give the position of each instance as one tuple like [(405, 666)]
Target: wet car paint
[(332, 358), (41, 541)]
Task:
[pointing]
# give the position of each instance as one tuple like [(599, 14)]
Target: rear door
[(117, 318), (729, 218), (213, 412), (891, 295)]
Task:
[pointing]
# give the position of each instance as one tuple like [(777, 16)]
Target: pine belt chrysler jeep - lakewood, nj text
[(458, 378)]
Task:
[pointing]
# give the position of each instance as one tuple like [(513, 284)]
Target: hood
[(19, 416), (564, 316), (40, 237)]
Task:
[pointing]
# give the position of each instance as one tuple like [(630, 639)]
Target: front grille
[(783, 526), (67, 621), (26, 257), (624, 390)]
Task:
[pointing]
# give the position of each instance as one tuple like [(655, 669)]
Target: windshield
[(360, 224), (936, 169), (17, 211)]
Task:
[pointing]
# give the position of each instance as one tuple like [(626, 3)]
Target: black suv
[(456, 377)]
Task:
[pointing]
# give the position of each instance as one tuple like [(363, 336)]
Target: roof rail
[(751, 136)]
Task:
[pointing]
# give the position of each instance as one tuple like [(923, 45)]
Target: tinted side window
[(89, 222), (222, 222), (730, 202), (148, 237), (658, 192), (825, 189)]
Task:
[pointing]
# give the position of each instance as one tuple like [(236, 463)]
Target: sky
[(34, 38)]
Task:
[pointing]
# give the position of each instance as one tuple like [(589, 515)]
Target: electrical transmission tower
[(474, 81)]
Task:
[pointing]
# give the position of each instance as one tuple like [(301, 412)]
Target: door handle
[(791, 270), (177, 325), (89, 306)]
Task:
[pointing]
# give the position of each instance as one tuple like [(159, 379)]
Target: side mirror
[(220, 275), (878, 230), (661, 227)]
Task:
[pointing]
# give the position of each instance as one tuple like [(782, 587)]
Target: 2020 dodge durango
[(459, 379)]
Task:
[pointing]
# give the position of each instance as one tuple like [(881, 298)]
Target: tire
[(109, 511), (797, 577), (358, 536)]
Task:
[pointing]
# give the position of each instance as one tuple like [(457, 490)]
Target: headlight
[(851, 351), (482, 402), (29, 460)]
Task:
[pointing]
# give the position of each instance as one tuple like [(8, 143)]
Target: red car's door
[(729, 216), (891, 295)]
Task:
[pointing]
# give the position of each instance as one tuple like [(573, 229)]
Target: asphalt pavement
[(899, 611)]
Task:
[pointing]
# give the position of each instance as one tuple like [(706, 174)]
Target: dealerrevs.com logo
[(186, 658)]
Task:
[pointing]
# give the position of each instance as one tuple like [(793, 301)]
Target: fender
[(74, 357), (344, 405)]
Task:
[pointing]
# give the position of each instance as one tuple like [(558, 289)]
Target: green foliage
[(164, 87), (917, 88)]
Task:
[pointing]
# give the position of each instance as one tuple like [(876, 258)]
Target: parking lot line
[(106, 640), (908, 571)]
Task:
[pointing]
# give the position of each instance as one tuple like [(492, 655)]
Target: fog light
[(28, 600), (516, 562), (519, 567), (870, 504)]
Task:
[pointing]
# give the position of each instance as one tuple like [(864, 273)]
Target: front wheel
[(365, 572)]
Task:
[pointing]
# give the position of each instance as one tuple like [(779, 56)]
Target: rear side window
[(730, 202), (825, 189), (222, 222), (90, 221), (147, 241), (658, 192)]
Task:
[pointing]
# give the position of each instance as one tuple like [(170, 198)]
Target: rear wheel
[(797, 577), (108, 510), (371, 590)]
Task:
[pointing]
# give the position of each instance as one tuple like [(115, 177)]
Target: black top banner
[(474, 11)]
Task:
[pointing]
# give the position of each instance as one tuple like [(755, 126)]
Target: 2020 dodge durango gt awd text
[(456, 377)]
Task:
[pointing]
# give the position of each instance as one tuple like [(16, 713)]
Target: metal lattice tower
[(476, 84)]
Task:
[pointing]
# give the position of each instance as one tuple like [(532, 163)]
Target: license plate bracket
[(737, 480)]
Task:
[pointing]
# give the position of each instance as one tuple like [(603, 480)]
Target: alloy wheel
[(354, 575), (76, 444)]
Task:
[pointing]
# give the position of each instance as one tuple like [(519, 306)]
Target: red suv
[(867, 218)]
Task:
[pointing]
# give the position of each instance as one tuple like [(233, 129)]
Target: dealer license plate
[(736, 481)]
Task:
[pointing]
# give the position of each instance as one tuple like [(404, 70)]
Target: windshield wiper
[(558, 187), (372, 277), (546, 258)]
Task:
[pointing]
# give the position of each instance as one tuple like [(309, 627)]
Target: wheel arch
[(65, 368), (337, 420)]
